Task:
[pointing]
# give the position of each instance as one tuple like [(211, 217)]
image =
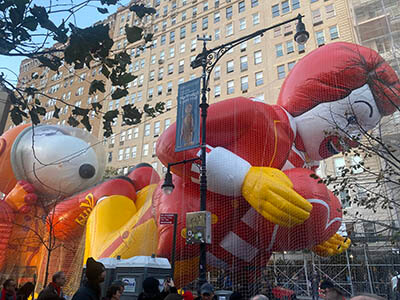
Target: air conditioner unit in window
[(244, 91), (121, 143), (242, 49)]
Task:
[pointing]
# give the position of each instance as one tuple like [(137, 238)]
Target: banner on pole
[(188, 116)]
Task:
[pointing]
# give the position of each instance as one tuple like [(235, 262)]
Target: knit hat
[(206, 288), (93, 269), (151, 286)]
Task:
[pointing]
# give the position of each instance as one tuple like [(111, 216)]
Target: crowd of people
[(96, 274)]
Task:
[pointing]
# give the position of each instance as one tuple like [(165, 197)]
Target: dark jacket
[(50, 292), (6, 296), (88, 291)]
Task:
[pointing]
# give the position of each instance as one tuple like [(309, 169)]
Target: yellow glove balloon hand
[(270, 192), (336, 244)]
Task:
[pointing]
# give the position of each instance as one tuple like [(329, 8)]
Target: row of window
[(228, 28), (317, 16), (320, 35), (284, 7), (244, 84)]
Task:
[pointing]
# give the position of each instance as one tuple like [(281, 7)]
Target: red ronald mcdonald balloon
[(260, 159)]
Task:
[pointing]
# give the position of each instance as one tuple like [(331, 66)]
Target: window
[(193, 45), (277, 31), (141, 79), (167, 123), (217, 72), (134, 151), (169, 87), (127, 153), (291, 65), (285, 7), (281, 71), (194, 12), (217, 34), (157, 128), (229, 29), (172, 37), (229, 66), (230, 87), (173, 6), (287, 29), (244, 83), (217, 17), (151, 75), (344, 198), (320, 38), (369, 228), (139, 96), (172, 52), (160, 73), (356, 164), (295, 4), (229, 12), (170, 69), (256, 19), (181, 66), (135, 132), (184, 15), (254, 3), (330, 11), (257, 57), (109, 156), (243, 63), (243, 46), (217, 91), (164, 24), (241, 6), (205, 23), (194, 26), (168, 104), (145, 149), (339, 164), (159, 90), (182, 48), (162, 39), (259, 78), (120, 154), (289, 47), (257, 39), (182, 32), (301, 48), (275, 10), (146, 129), (205, 5), (333, 32), (153, 152), (316, 17), (242, 24), (165, 10)]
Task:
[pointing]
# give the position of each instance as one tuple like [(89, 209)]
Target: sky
[(83, 18)]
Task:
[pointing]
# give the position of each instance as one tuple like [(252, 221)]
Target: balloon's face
[(58, 161), (332, 127)]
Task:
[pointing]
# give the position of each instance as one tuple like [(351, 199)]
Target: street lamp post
[(207, 59)]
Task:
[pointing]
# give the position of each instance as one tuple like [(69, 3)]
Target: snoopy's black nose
[(86, 171)]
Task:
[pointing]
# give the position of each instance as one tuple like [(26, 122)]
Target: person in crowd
[(187, 295), (113, 293), (91, 289), (55, 286), (314, 286), (151, 290), (120, 284), (169, 287), (329, 291), (259, 297), (206, 292), (8, 291), (236, 296), (25, 291)]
